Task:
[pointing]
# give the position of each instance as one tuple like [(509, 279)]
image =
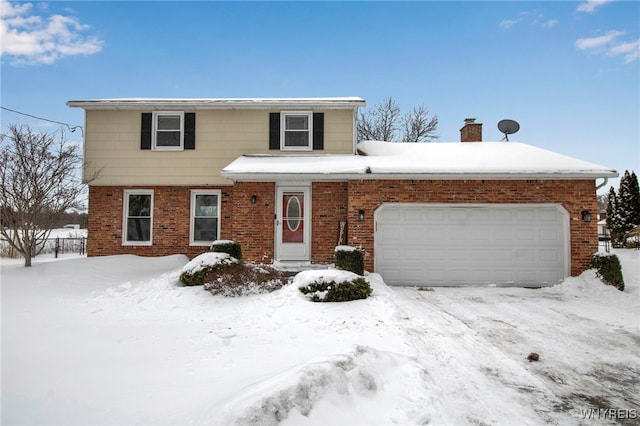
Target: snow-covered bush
[(243, 280), (608, 268), (193, 273), (227, 246), (332, 291), (349, 258)]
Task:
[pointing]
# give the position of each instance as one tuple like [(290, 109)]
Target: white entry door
[(293, 224)]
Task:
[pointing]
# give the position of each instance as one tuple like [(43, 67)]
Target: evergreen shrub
[(227, 246), (608, 269), (350, 259), (321, 291), (194, 272)]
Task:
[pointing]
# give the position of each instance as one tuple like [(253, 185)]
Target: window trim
[(283, 130), (154, 131), (125, 217), (192, 217)]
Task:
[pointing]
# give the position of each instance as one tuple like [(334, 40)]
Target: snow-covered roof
[(216, 103), (311, 166), (391, 160)]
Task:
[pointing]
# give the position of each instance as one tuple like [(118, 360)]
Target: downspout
[(355, 130), (606, 179)]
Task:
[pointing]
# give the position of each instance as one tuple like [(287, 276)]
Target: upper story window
[(297, 131), (168, 130)]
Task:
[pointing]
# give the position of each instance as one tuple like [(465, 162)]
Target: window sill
[(296, 148), (168, 149)]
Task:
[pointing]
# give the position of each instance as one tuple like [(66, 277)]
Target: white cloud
[(591, 5), (597, 42), (33, 39), (533, 18), (508, 23), (610, 45), (630, 50)]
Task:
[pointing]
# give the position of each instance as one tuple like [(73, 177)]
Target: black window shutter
[(318, 130), (274, 130), (145, 134), (189, 130)]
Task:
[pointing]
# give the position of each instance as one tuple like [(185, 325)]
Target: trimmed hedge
[(227, 246), (349, 259), (608, 269), (331, 291)]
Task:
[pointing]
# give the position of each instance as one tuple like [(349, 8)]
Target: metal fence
[(57, 246)]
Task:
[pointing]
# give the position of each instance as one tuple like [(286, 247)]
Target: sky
[(566, 71)]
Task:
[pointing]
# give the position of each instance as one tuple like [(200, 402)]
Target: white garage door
[(445, 245)]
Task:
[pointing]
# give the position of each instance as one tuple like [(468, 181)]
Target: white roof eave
[(269, 176), (158, 104)]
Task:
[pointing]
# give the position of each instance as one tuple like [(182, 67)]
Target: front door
[(292, 223)]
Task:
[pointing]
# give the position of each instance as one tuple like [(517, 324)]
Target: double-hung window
[(297, 131), (205, 214), (138, 217), (168, 130)]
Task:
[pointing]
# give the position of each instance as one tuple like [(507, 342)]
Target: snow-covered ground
[(116, 340)]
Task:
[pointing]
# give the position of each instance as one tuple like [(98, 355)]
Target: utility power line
[(69, 126)]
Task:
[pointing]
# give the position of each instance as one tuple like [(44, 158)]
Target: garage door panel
[(551, 235), (503, 255), (470, 245), (550, 276), (548, 216), (551, 255), (480, 255)]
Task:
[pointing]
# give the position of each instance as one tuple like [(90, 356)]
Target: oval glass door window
[(294, 211)]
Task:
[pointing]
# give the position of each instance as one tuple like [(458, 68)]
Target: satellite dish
[(508, 127)]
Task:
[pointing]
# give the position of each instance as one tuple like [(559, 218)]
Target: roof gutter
[(269, 176)]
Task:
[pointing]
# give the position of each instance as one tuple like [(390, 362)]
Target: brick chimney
[(471, 131)]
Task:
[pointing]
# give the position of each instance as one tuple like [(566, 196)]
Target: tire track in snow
[(480, 383)]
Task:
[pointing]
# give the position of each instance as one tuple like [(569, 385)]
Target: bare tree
[(419, 126), (385, 122), (381, 123), (39, 183)]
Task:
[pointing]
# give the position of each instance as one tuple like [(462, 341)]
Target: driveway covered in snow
[(116, 341), (477, 342)]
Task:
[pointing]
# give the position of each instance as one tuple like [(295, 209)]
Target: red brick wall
[(574, 195), (252, 225), (329, 207), (171, 211)]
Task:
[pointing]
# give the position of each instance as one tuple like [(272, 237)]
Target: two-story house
[(287, 179)]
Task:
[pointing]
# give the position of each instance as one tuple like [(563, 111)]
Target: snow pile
[(370, 379)]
